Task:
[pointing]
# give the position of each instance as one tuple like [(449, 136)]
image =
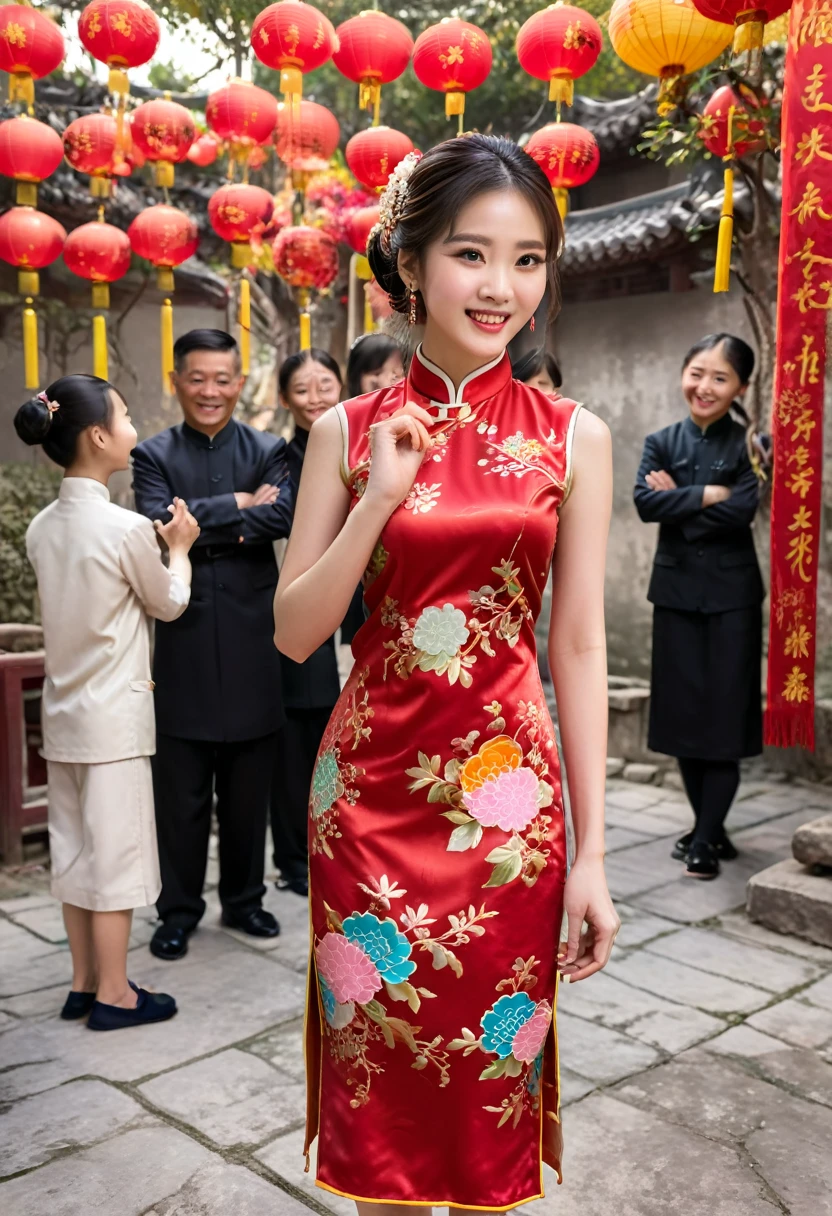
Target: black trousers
[(294, 762), (186, 773), (711, 786)]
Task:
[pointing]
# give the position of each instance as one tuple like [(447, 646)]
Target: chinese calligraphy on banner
[(804, 300)]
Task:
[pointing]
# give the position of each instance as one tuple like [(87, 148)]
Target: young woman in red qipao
[(438, 850)]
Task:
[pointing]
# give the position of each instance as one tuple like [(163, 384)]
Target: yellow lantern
[(666, 38)]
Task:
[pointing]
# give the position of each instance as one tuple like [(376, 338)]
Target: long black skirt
[(706, 700)]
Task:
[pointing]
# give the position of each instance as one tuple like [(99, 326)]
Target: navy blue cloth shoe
[(77, 1005), (150, 1007)]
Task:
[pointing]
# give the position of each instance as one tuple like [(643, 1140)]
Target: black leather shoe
[(725, 850), (150, 1007), (702, 860), (77, 1005), (298, 883), (169, 942), (258, 923)]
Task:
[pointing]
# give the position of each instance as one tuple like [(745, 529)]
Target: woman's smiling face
[(709, 385)]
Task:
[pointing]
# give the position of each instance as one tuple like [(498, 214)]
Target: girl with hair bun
[(100, 577), (438, 867), (697, 481)]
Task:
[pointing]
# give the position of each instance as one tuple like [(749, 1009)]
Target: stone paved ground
[(697, 1069)]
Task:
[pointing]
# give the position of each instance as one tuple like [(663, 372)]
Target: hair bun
[(32, 421)]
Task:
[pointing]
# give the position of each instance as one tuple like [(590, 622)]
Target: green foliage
[(25, 489)]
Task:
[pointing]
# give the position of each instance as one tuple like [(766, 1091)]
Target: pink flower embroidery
[(508, 801), (529, 1040), (345, 967)]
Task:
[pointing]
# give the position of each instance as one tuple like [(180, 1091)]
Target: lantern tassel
[(748, 39), (369, 319), (30, 345), (166, 319), (562, 90), (99, 348), (722, 271), (22, 88), (562, 200), (455, 107), (305, 330), (669, 90), (244, 318)]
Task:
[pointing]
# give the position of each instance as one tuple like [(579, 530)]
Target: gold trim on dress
[(344, 424), (570, 439)]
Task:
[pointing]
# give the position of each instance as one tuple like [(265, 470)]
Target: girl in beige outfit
[(100, 577)]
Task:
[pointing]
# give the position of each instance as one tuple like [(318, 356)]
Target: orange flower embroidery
[(496, 756)]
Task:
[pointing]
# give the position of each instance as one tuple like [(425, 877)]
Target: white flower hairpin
[(52, 406), (394, 198)]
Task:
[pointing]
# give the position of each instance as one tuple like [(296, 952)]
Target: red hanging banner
[(804, 301)]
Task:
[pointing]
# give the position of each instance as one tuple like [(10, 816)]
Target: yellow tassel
[(241, 255), (164, 279), (245, 325), (167, 345), (562, 200), (22, 88), (121, 137), (454, 104), (305, 330), (28, 282), (100, 187), (362, 268), (101, 295), (722, 271), (30, 345), (164, 172), (291, 82), (26, 194), (118, 83), (748, 35), (562, 90), (668, 99), (369, 94), (99, 348), (369, 320)]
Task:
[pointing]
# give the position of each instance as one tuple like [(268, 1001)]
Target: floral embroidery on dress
[(442, 640), (500, 785), (376, 564), (516, 455), (365, 954), (333, 777), (514, 1030), (422, 497)]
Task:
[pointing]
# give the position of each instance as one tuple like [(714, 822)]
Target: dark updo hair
[(369, 353), (82, 401), (738, 353), (533, 363), (445, 180), (314, 355)]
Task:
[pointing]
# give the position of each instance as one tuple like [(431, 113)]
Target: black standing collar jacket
[(705, 560)]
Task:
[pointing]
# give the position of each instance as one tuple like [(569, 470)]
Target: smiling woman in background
[(375, 362), (696, 480)]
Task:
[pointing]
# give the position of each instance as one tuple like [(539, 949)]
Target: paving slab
[(24, 903), (622, 838), (283, 1049), (45, 1003), (47, 922), (638, 926), (802, 1072), (600, 1054), (630, 1162), (642, 1015), (220, 1189), (688, 901), (18, 946), (37, 1129), (686, 985), (796, 1021), (794, 1160), (573, 1086), (284, 1157), (35, 971), (709, 951), (233, 1098), (625, 798), (737, 924), (821, 993), (124, 1176)]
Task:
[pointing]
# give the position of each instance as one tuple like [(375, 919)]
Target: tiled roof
[(616, 125)]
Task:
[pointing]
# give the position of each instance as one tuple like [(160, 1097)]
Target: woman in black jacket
[(696, 480)]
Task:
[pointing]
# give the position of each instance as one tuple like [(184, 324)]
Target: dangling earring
[(531, 324), (412, 316)]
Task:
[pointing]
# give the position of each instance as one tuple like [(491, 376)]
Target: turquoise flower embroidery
[(327, 785), (327, 998), (383, 944), (503, 1020)]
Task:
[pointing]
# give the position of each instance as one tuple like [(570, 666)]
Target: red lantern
[(292, 38), (749, 21), (204, 151), (236, 213), (129, 157), (567, 154), (101, 253), (164, 131), (122, 34), (306, 138), (734, 106), (29, 152), (30, 240), (559, 44), (243, 115), (373, 50), (31, 46), (90, 147), (372, 155), (452, 57), (358, 226), (166, 237), (308, 260)]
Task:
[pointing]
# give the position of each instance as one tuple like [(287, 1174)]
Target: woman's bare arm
[(578, 661), (330, 545)]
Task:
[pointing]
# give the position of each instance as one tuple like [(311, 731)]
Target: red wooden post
[(21, 806)]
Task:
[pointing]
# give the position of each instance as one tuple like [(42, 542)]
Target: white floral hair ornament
[(394, 197), (52, 406)]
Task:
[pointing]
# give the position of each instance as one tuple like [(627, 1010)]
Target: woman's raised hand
[(397, 448), (182, 531)]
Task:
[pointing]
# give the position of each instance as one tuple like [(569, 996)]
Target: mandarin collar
[(716, 429), (202, 440), (80, 489), (300, 437), (430, 381)]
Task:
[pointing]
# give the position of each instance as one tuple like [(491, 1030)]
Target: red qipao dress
[(437, 842)]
